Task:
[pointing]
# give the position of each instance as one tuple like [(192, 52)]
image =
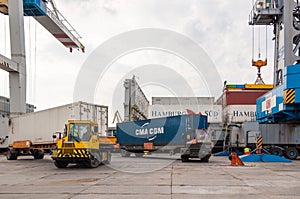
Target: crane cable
[(259, 62), (259, 39), (252, 42), (259, 43)]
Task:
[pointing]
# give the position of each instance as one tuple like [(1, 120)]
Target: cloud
[(219, 27)]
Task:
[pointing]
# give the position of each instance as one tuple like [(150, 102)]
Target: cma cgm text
[(150, 131)]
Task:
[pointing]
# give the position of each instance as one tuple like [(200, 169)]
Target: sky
[(219, 27)]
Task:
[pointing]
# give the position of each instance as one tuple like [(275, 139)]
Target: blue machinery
[(264, 156), (34, 8), (282, 104)]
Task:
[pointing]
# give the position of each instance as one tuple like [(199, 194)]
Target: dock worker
[(246, 151)]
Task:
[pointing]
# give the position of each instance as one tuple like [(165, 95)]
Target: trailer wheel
[(276, 151), (11, 155), (60, 164), (125, 153), (184, 158), (139, 155), (291, 153), (38, 154)]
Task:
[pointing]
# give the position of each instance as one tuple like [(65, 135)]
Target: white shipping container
[(240, 131), (3, 131), (38, 127), (239, 113), (213, 112), (190, 101)]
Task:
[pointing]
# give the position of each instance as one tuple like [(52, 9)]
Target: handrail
[(59, 22)]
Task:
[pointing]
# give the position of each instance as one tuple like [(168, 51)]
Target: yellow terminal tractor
[(82, 145)]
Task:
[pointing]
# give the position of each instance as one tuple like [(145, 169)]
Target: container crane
[(278, 111), (52, 20)]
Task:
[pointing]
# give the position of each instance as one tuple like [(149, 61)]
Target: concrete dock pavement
[(158, 176)]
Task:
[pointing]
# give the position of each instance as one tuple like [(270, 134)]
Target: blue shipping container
[(175, 130), (34, 8)]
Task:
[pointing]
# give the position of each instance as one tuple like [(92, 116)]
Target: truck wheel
[(11, 155), (94, 163), (60, 164), (184, 158), (125, 153), (291, 153), (276, 151), (139, 155), (38, 154), (205, 159)]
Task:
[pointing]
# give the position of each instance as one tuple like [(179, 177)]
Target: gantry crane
[(52, 20)]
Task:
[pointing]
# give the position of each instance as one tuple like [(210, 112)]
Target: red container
[(240, 97)]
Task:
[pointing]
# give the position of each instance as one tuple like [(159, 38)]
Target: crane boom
[(51, 19), (64, 32)]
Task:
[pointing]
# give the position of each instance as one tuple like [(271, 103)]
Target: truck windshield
[(79, 132)]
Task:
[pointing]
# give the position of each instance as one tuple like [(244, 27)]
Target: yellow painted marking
[(259, 142), (289, 96)]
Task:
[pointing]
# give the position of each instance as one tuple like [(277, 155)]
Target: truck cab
[(84, 134), (81, 144)]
